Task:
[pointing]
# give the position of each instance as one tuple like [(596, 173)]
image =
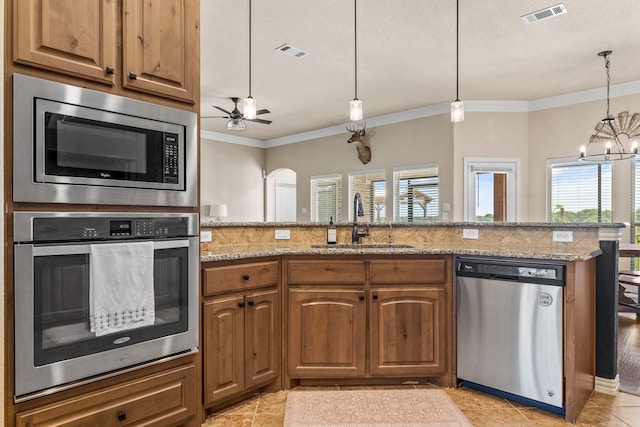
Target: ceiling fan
[(236, 118)]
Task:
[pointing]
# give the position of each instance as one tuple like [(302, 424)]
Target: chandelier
[(612, 132)]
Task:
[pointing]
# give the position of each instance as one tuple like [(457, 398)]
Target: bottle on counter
[(332, 233)]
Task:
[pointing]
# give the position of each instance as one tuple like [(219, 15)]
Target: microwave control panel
[(170, 173)]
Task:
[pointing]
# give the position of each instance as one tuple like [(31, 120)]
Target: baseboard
[(608, 385)]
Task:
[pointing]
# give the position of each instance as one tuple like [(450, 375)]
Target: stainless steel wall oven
[(99, 292), (75, 145)]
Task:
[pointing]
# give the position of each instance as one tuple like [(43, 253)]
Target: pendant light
[(457, 106), (249, 104), (355, 106), (609, 131)]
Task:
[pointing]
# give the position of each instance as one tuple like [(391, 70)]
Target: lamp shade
[(218, 211), (355, 110), (236, 124), (249, 108), (457, 111)]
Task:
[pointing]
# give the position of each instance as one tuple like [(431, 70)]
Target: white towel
[(121, 295)]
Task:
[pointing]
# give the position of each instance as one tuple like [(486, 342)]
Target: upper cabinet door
[(161, 43), (67, 36)]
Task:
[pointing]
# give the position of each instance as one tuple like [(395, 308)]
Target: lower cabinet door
[(223, 355), (408, 332), (165, 399), (326, 333), (262, 335)]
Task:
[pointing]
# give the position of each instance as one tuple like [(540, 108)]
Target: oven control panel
[(111, 227)]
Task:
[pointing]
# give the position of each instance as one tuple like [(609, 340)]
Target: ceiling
[(406, 56)]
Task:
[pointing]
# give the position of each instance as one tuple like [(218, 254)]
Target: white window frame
[(508, 165), (368, 204), (337, 177), (399, 170)]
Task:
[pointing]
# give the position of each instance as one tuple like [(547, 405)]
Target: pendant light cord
[(457, 46), (355, 45), (249, 48), (606, 66)]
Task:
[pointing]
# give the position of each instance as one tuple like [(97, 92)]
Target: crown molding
[(622, 89)]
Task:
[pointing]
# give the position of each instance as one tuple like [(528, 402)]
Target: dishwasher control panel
[(512, 269), (542, 273)]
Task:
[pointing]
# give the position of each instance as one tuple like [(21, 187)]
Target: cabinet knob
[(251, 303), (122, 416), (132, 76), (245, 277), (375, 295), (109, 70), (241, 304), (361, 297)]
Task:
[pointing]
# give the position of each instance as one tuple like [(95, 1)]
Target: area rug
[(372, 408), (629, 353)]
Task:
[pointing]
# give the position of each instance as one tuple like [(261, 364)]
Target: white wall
[(232, 174)]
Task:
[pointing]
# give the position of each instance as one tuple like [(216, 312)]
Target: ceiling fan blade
[(263, 111), (266, 122), (222, 109), (215, 117)]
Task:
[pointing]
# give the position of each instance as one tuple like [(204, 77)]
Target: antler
[(362, 125)]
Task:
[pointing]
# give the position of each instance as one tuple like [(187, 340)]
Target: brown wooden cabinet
[(241, 329), (326, 333), (369, 318), (153, 49), (165, 399)]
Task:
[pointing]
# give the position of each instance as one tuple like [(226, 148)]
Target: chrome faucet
[(358, 210)]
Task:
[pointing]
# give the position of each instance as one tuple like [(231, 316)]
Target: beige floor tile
[(272, 403), (607, 401), (630, 415), (245, 407), (269, 420), (224, 420), (467, 399), (599, 417), (543, 418), (497, 418)]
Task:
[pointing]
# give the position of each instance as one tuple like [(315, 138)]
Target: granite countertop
[(550, 252)]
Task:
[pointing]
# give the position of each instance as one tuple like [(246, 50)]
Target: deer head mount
[(357, 136)]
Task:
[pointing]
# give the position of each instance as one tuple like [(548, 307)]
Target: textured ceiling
[(406, 55)]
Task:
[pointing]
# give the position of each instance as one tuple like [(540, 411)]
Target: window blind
[(372, 188), (326, 197), (416, 193), (580, 192)]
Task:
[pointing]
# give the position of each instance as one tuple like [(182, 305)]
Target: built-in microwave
[(75, 145)]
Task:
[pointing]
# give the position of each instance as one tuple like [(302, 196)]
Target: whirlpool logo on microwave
[(121, 340)]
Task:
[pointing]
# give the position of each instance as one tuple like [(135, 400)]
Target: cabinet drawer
[(165, 399), (409, 271), (325, 272), (239, 277)]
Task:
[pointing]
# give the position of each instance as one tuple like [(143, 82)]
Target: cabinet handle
[(251, 303), (361, 298), (245, 277), (132, 76), (375, 295), (109, 70), (241, 304), (122, 416)]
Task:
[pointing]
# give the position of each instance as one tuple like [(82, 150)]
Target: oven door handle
[(85, 249)]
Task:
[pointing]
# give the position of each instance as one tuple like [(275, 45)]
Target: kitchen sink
[(362, 246)]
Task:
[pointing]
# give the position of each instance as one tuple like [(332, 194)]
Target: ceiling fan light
[(249, 108), (236, 125), (457, 111), (355, 110)]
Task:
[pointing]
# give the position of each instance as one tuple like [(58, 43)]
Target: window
[(326, 197), (415, 193), (579, 191), (371, 186), (635, 203)]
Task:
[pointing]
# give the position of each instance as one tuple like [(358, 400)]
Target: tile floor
[(481, 409)]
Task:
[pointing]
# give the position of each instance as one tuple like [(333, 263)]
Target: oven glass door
[(62, 304), (80, 145)]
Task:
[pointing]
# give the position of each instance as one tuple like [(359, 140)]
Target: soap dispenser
[(331, 233)]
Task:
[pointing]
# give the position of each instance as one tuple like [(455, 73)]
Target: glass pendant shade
[(236, 124), (249, 110), (457, 111), (355, 110)]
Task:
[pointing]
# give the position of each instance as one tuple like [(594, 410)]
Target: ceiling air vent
[(539, 15), (292, 51)]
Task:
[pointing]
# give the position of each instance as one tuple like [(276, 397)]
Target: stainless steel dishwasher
[(509, 328)]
